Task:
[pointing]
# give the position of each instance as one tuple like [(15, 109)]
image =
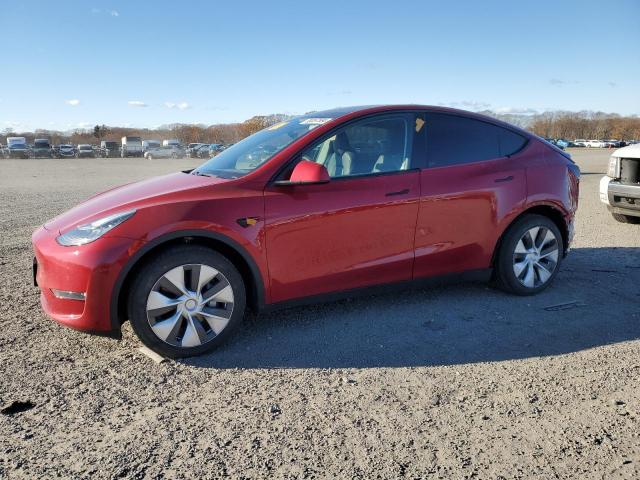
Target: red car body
[(310, 240)]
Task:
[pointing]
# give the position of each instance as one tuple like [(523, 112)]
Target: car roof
[(356, 111)]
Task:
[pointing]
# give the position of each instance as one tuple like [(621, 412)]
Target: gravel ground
[(447, 382)]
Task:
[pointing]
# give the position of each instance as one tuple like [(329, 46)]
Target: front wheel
[(626, 218), (529, 256), (149, 157), (186, 301)]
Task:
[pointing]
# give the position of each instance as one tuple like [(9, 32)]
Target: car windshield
[(253, 151)]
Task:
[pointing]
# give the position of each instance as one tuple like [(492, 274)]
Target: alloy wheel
[(190, 305), (535, 257)]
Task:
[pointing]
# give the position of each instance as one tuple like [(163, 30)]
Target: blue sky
[(68, 64)]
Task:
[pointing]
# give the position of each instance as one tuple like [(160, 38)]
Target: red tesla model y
[(319, 205)]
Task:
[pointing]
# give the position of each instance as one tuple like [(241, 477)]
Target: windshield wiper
[(200, 174)]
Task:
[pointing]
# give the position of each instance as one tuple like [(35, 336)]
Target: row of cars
[(204, 150), (581, 142), (17, 147)]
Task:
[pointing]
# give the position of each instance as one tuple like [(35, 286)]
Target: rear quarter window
[(456, 140), (511, 142)]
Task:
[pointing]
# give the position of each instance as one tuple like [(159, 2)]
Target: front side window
[(254, 151), (366, 147)]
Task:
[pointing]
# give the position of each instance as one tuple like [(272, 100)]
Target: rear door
[(359, 228), (474, 182)]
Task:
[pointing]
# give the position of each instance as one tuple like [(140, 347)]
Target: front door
[(358, 229)]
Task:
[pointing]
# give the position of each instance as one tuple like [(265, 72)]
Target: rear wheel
[(186, 301), (529, 256), (626, 218)]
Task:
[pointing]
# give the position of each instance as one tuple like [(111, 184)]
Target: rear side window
[(455, 140), (510, 142)]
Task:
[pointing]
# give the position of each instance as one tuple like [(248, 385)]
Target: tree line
[(224, 133), (586, 125), (568, 125)]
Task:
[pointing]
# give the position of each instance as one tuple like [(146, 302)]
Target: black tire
[(626, 218), (158, 266), (504, 275)]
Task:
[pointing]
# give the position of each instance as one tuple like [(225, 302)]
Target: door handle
[(505, 179), (400, 192)]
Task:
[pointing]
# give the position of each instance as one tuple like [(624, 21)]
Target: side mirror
[(306, 173)]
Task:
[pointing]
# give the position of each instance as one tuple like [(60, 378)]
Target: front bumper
[(620, 197), (91, 270), (19, 154)]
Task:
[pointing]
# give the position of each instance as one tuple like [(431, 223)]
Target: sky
[(73, 64)]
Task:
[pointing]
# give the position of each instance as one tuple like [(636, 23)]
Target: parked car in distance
[(65, 151), (109, 149), (85, 150), (192, 149), (553, 141), (620, 187), (164, 152), (595, 144), (215, 149), (346, 199), (612, 143), (131, 147), (41, 148), (172, 142), (148, 144), (580, 142), (17, 148), (562, 143)]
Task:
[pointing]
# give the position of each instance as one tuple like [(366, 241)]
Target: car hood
[(153, 191), (631, 151)]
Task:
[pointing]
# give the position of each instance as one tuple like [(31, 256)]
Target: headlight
[(614, 167), (90, 232)]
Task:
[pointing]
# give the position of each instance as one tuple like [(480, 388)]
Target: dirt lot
[(447, 382)]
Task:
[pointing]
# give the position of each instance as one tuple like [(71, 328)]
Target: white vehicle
[(580, 142), (163, 152), (596, 144), (131, 147), (149, 144), (173, 142), (620, 188), (16, 141)]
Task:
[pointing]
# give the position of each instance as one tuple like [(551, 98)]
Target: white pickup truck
[(620, 188)]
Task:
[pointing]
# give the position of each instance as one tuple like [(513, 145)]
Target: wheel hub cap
[(535, 257), (190, 305)]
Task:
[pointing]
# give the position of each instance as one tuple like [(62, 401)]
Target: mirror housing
[(306, 173)]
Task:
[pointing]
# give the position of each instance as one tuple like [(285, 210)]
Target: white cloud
[(114, 13), (516, 111), (137, 103), (468, 105), (558, 82), (179, 106), (74, 102)]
